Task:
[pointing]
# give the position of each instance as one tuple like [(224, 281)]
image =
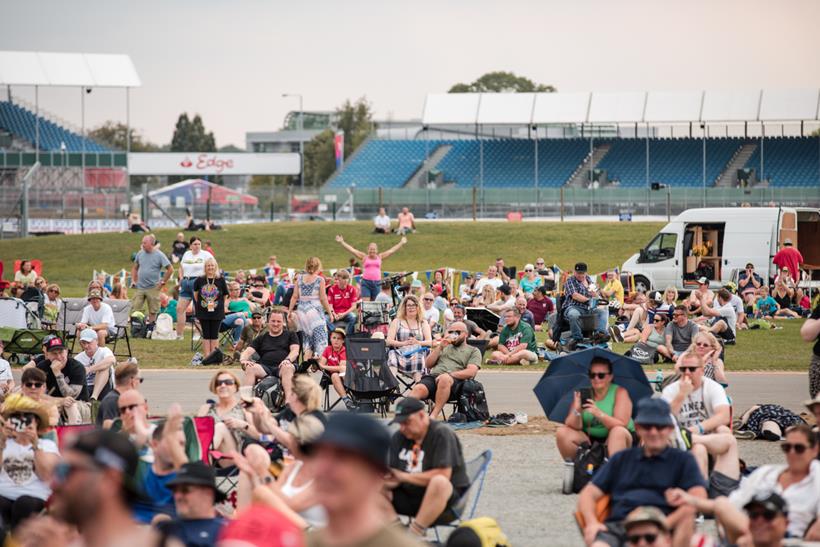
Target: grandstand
[(789, 162), (22, 124)]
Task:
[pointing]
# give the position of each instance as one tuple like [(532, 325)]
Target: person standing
[(789, 257), (146, 276), (191, 266), (810, 331), (210, 290), (310, 300), (372, 264)]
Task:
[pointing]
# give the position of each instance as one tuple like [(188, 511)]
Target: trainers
[(616, 334), (350, 405), (600, 338), (570, 346), (526, 362), (196, 336), (196, 360), (214, 358)]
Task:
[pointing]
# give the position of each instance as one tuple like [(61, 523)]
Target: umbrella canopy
[(568, 373)]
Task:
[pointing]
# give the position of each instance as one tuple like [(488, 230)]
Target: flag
[(339, 148)]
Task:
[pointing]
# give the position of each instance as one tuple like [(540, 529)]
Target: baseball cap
[(405, 408), (94, 293), (339, 331), (703, 281), (770, 501), (55, 343), (654, 412), (787, 241), (259, 525), (645, 514), (256, 313), (197, 474), (581, 267), (111, 450), (88, 335), (657, 297), (358, 434)]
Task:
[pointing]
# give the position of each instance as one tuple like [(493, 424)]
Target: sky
[(231, 60)]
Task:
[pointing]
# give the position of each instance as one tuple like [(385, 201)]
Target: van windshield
[(661, 248)]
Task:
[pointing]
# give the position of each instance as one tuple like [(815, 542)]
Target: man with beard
[(450, 362)]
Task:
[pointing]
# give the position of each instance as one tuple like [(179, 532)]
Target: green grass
[(70, 260)]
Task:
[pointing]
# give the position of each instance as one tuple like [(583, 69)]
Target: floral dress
[(408, 360), (310, 316)]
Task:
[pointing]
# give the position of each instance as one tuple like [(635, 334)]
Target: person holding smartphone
[(600, 413)]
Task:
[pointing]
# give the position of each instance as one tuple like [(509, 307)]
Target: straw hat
[(17, 403)]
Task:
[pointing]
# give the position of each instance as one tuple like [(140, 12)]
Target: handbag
[(643, 353)]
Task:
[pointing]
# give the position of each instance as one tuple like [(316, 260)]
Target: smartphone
[(586, 394)]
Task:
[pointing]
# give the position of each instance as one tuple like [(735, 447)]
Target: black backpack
[(588, 458), (270, 390), (138, 327), (473, 402)]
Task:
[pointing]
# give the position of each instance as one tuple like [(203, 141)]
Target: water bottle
[(658, 379), (590, 470)]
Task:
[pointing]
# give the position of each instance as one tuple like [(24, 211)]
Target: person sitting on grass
[(700, 296), (724, 317), (427, 471), (516, 343), (451, 361), (333, 362), (653, 335), (540, 307), (641, 476), (605, 419), (765, 307), (679, 332)]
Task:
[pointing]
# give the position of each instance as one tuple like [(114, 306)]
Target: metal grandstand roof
[(67, 69), (652, 107)]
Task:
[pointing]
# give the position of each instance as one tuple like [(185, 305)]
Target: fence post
[(562, 204), (474, 203), (381, 197)]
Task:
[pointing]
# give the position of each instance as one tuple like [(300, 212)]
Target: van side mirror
[(641, 254)]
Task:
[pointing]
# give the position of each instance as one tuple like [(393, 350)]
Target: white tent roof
[(621, 107), (67, 69)]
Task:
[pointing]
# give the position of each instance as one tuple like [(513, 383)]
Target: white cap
[(529, 267), (87, 335)]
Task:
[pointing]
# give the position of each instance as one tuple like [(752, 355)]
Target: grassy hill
[(70, 260)]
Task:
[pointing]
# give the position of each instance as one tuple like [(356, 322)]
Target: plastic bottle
[(590, 469)]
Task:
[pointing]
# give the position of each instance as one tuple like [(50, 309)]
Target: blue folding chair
[(476, 470)]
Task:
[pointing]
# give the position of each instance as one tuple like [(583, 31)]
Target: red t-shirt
[(333, 358), (789, 257), (341, 300), (540, 310)]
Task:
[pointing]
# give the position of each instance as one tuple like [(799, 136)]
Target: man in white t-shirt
[(99, 363), (737, 304), (6, 378), (700, 405), (491, 279), (99, 317), (723, 320), (431, 314), (381, 223)]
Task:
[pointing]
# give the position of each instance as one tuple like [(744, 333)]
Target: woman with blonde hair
[(210, 291), (487, 296), (310, 301), (371, 264), (407, 337), (232, 423), (708, 348)]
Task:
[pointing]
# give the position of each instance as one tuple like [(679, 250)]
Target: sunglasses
[(599, 375), (635, 539), (34, 385), (689, 369), (128, 408), (767, 515), (650, 427), (528, 270), (428, 299), (658, 320), (225, 382), (702, 345), (456, 332), (63, 470), (798, 448)]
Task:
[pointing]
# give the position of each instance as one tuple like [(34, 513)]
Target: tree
[(191, 136), (501, 82), (114, 134)]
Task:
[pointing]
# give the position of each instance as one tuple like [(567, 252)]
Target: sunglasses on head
[(688, 369), (767, 514), (636, 538), (225, 382), (798, 448), (128, 408), (599, 375), (34, 385)]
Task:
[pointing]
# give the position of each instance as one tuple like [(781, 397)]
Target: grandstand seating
[(21, 123), (676, 162), (382, 163), (788, 161)]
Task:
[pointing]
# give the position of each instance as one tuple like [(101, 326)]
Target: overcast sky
[(231, 60)]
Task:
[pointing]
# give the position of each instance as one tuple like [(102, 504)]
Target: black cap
[(256, 313), (197, 474), (361, 435), (505, 289), (405, 408), (654, 412), (581, 267), (111, 450), (769, 501), (55, 343)]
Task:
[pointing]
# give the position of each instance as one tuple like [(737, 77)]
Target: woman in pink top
[(372, 265)]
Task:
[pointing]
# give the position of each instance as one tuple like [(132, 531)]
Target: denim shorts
[(370, 288), (186, 288)]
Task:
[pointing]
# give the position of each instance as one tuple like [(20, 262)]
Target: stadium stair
[(728, 179), (419, 179), (581, 175)]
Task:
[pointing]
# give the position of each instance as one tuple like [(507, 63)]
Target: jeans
[(229, 323), (573, 316), (349, 321)]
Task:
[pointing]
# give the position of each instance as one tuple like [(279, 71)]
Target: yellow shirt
[(617, 289)]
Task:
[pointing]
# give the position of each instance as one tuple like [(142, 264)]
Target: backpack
[(473, 401), (643, 353), (483, 531), (270, 390), (164, 328), (138, 327), (588, 458)]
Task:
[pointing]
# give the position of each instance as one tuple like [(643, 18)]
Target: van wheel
[(642, 282)]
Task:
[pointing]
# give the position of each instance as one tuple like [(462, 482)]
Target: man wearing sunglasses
[(451, 361), (641, 476), (126, 377), (679, 332), (647, 526)]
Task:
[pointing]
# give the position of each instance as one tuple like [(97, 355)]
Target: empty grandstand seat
[(383, 163), (788, 161), (21, 122)]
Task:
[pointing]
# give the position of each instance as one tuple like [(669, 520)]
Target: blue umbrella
[(568, 373)]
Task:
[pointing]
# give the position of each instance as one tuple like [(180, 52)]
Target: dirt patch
[(536, 425)]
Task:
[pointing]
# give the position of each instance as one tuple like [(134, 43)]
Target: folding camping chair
[(122, 323), (72, 313), (19, 329), (374, 317), (368, 378)]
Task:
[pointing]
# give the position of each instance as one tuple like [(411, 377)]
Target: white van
[(718, 243)]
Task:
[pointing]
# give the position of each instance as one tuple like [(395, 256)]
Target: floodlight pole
[(82, 182), (36, 123), (648, 184), (24, 199), (704, 164), (537, 200), (301, 127), (127, 147)]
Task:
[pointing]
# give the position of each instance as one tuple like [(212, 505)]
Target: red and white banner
[(339, 148), (212, 163)]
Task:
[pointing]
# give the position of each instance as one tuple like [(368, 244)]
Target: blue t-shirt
[(193, 532), (634, 479), (767, 306), (159, 498)]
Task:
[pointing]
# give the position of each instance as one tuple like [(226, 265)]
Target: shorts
[(407, 500), (210, 328), (370, 288), (429, 381), (727, 333), (721, 485), (186, 288), (271, 370), (151, 296)]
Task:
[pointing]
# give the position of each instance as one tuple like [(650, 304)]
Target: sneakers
[(526, 362), (350, 405), (600, 338), (569, 346), (196, 360), (196, 336), (568, 477), (214, 358), (616, 334)]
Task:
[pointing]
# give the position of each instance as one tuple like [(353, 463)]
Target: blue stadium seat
[(788, 161), (382, 163), (21, 123)]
